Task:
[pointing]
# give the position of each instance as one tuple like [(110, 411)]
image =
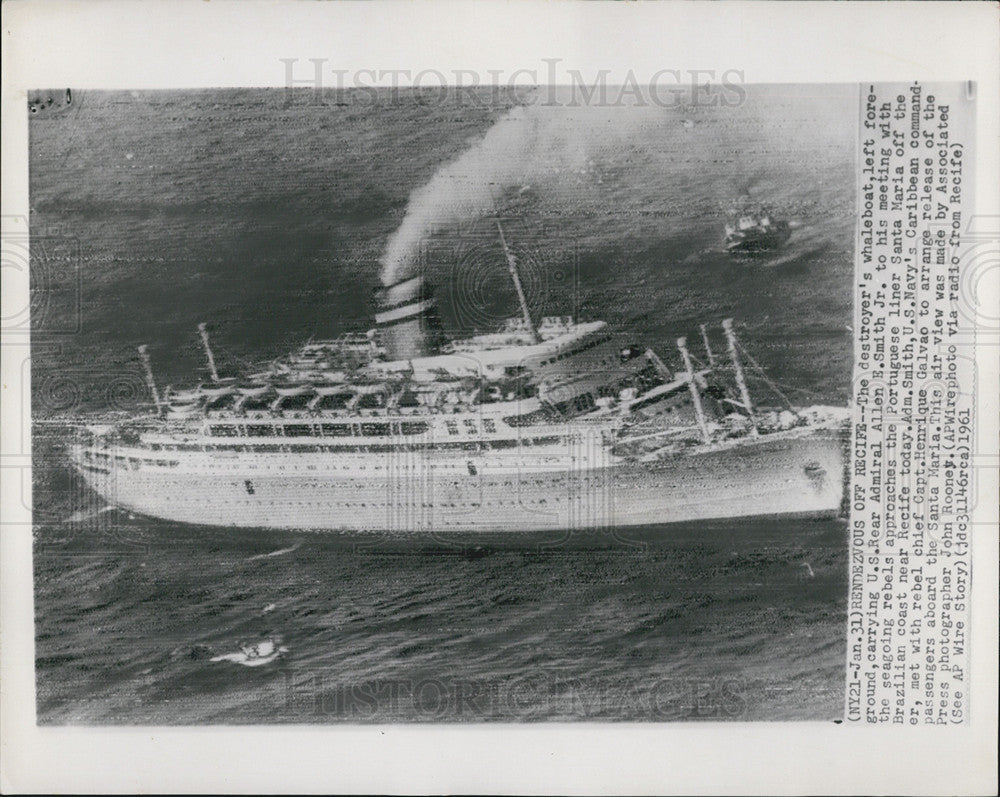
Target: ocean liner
[(554, 425)]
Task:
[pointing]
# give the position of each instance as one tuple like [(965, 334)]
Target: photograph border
[(129, 45)]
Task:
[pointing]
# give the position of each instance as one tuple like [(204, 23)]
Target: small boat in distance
[(751, 231)]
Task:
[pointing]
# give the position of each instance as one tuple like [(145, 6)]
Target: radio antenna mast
[(512, 268), (203, 331)]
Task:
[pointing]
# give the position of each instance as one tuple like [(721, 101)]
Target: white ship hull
[(798, 472)]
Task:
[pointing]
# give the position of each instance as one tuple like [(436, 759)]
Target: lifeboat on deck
[(331, 388), (183, 397), (183, 410), (183, 403), (217, 390), (253, 391), (289, 391)]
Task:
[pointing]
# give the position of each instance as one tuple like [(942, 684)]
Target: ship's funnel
[(407, 320)]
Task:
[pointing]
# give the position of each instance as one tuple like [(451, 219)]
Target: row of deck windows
[(318, 429), (305, 448), (405, 428), (470, 426), (133, 462)]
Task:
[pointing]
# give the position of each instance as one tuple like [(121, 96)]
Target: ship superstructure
[(554, 425)]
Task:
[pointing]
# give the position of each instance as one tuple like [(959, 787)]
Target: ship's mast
[(699, 411), (708, 347), (512, 267), (150, 382), (659, 365), (203, 331), (727, 325)]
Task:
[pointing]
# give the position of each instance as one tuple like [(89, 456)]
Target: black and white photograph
[(573, 404), (433, 405)]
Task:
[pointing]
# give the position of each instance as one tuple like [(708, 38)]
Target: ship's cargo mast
[(512, 267), (659, 365), (727, 325), (699, 411), (708, 347)]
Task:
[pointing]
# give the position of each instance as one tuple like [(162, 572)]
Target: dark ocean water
[(163, 209)]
